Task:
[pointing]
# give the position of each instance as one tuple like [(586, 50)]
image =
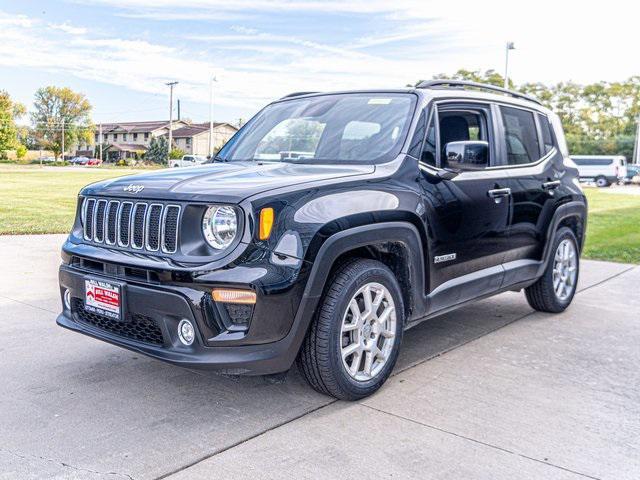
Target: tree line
[(598, 118)]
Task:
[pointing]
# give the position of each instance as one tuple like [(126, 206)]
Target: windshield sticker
[(379, 101)]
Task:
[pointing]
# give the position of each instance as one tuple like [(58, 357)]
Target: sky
[(121, 53)]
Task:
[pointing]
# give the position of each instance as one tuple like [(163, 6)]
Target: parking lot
[(490, 391)]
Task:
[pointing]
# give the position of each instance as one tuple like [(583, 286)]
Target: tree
[(176, 153), (157, 152), (598, 118), (21, 152), (59, 111), (10, 111)]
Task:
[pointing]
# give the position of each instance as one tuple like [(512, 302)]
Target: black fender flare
[(340, 243), (564, 211)]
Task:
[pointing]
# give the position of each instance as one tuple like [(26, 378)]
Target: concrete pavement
[(490, 391)]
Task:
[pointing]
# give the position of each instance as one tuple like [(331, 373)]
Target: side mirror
[(467, 155)]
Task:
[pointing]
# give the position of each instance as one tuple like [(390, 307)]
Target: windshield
[(354, 127)]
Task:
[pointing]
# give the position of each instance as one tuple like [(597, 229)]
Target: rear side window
[(520, 136), (547, 137)]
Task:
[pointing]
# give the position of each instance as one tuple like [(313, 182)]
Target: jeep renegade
[(327, 226)]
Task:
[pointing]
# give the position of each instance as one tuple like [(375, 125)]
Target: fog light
[(186, 332), (67, 299)]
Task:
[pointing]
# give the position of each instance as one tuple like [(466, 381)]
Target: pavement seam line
[(607, 279), (480, 442), (245, 440), (28, 304), (23, 456), (281, 424), (532, 312)]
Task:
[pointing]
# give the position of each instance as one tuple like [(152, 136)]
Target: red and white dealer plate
[(103, 298)]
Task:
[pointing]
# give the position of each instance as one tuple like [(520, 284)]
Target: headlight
[(220, 226)]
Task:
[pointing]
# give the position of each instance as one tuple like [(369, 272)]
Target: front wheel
[(353, 343), (554, 291)]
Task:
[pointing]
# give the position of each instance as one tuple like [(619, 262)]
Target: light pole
[(213, 79), (170, 85), (636, 145), (510, 46), (100, 141)]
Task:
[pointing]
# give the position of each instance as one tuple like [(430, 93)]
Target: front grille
[(137, 327), (138, 225)]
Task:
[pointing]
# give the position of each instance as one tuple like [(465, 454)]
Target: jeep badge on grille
[(131, 188)]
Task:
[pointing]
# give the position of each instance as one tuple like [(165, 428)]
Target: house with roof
[(194, 138), (124, 140)]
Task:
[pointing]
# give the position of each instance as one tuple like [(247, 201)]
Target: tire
[(602, 182), (542, 295), (321, 356)]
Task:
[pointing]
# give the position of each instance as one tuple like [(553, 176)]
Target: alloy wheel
[(367, 334), (565, 269)]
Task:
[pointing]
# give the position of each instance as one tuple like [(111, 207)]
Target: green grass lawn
[(37, 200), (613, 231), (43, 200)]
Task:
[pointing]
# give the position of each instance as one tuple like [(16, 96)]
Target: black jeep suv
[(328, 225)]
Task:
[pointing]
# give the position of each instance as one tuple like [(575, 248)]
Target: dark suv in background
[(327, 226)]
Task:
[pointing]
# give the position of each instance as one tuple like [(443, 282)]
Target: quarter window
[(520, 136), (547, 137)]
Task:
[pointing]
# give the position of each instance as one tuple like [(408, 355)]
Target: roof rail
[(297, 94), (444, 83)]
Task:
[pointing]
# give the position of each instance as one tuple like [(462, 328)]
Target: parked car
[(633, 170), (48, 159), (406, 204), (94, 162), (79, 161), (601, 169), (187, 161)]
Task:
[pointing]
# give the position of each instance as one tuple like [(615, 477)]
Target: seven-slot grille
[(138, 225)]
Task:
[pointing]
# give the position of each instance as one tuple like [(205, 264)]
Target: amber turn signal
[(266, 223), (227, 295)]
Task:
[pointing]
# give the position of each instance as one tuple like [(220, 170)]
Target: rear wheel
[(602, 182), (554, 291), (353, 343)]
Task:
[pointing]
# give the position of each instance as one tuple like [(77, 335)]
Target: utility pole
[(100, 140), (510, 46), (170, 85), (213, 79), (62, 139)]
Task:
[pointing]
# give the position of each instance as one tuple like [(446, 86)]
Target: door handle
[(499, 193), (551, 185)]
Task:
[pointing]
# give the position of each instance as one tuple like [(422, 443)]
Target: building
[(125, 140), (194, 139)]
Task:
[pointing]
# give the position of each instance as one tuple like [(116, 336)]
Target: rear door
[(468, 214), (529, 156)]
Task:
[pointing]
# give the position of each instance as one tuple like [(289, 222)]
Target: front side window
[(520, 136), (464, 134), (363, 128)]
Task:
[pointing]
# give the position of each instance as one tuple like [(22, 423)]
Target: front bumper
[(252, 353)]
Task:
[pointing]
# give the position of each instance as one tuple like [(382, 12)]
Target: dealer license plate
[(103, 298)]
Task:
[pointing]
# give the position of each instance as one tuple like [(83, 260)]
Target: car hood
[(223, 182)]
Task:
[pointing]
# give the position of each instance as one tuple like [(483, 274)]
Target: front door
[(469, 212)]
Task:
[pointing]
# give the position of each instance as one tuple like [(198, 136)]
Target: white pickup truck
[(187, 161)]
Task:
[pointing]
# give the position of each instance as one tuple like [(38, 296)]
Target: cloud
[(261, 50), (68, 28)]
